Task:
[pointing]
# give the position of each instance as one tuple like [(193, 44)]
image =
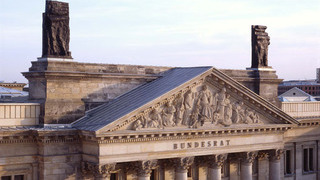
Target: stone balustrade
[(301, 109), (19, 114)]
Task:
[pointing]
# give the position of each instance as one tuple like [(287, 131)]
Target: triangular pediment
[(208, 101)]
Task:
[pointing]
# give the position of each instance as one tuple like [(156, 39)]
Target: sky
[(168, 33)]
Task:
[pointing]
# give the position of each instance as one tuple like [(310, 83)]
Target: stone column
[(182, 165), (100, 172), (274, 164), (246, 165), (263, 164), (144, 169), (215, 164)]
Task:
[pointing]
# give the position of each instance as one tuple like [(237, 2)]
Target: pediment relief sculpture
[(200, 106)]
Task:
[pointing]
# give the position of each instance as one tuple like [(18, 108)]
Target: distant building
[(14, 85), (311, 86), (12, 95), (296, 95)]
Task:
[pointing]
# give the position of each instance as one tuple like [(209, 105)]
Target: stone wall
[(66, 89), (263, 82)]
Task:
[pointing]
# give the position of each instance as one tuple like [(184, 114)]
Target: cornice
[(146, 136), (85, 75)]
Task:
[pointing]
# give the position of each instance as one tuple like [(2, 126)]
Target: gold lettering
[(182, 145), (189, 145), (175, 146)]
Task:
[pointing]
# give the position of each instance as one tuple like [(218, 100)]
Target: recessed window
[(190, 172), (288, 162), (225, 169), (13, 177), (308, 162), (114, 176), (294, 94), (5, 177)]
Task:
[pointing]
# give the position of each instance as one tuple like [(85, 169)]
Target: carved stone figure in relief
[(215, 101), (168, 114), (251, 117), (227, 112), (179, 109), (155, 120), (137, 125), (221, 102), (195, 117), (188, 105), (238, 113), (204, 100)]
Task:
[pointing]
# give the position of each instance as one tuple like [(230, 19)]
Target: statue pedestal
[(266, 68), (54, 59)]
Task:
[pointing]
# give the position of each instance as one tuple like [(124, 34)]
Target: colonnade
[(214, 162)]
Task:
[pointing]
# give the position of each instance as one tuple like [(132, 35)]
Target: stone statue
[(227, 112), (205, 100), (238, 113), (154, 120), (179, 109), (137, 125), (55, 30), (168, 114), (259, 43), (188, 105)]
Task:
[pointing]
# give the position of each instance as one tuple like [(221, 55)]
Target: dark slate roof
[(104, 114), (312, 82)]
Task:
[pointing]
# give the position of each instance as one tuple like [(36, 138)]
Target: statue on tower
[(55, 30), (259, 43)]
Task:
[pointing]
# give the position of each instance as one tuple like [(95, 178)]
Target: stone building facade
[(127, 122)]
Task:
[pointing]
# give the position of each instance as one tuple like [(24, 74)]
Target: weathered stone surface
[(259, 44), (66, 89), (56, 31)]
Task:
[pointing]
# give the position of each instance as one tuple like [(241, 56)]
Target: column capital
[(98, 170), (144, 168), (276, 154), (248, 157), (263, 155), (216, 161), (183, 164)]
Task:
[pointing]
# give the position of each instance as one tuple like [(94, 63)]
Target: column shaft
[(246, 171), (215, 173), (144, 177), (181, 175), (274, 171)]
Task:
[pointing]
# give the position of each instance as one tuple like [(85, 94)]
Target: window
[(13, 177), (225, 169), (190, 172), (5, 177), (113, 176), (155, 174), (288, 162), (308, 159)]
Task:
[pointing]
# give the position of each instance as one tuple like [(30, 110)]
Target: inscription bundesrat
[(201, 144)]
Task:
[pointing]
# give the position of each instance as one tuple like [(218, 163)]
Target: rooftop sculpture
[(259, 43), (56, 31)]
